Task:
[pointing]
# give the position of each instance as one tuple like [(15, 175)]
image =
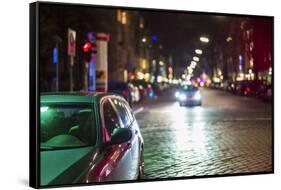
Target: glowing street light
[(143, 39), (204, 39), (190, 71), (193, 64), (196, 58), (198, 51), (229, 38), (250, 71)]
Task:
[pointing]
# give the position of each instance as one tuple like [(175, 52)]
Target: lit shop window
[(124, 17), (121, 16)]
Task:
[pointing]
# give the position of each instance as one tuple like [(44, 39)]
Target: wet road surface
[(228, 134)]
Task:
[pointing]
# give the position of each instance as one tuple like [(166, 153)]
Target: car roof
[(73, 97)]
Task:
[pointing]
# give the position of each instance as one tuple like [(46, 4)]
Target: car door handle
[(129, 145)]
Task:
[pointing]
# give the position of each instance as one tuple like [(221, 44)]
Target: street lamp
[(228, 39), (196, 58), (198, 51), (193, 64), (204, 39), (143, 39)]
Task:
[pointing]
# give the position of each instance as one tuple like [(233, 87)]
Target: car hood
[(64, 166), (190, 93)]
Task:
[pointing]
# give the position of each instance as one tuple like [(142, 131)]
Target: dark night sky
[(180, 32)]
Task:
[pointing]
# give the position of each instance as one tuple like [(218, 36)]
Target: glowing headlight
[(182, 97), (177, 94), (197, 96)]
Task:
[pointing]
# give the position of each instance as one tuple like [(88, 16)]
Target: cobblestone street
[(228, 134)]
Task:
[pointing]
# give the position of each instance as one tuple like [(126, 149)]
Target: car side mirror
[(120, 135)]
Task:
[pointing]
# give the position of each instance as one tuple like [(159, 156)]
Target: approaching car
[(88, 138), (189, 95)]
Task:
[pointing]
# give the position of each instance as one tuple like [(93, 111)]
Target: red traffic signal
[(87, 46)]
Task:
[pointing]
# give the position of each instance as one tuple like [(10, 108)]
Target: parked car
[(88, 138), (141, 85), (121, 88), (265, 92), (249, 87), (232, 87), (189, 95), (216, 85), (135, 93)]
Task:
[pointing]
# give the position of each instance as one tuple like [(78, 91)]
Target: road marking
[(138, 110)]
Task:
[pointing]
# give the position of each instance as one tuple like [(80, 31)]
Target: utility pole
[(71, 52), (57, 39)]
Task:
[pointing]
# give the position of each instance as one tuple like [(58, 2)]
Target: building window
[(119, 12), (141, 23), (251, 46), (124, 17), (121, 16)]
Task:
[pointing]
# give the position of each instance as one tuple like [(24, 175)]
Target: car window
[(66, 126), (122, 111), (111, 119), (189, 88), (129, 111)]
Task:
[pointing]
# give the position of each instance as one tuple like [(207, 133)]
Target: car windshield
[(66, 126), (189, 88)]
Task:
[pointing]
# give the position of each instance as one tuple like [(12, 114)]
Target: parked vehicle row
[(133, 92), (253, 88)]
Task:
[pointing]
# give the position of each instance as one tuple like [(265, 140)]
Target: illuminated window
[(251, 46), (141, 23), (124, 17), (269, 56), (121, 16), (119, 12), (248, 34), (251, 62), (228, 39)]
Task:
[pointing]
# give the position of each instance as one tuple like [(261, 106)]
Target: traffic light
[(86, 47), (93, 40), (87, 51), (90, 46)]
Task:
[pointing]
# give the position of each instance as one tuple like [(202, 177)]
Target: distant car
[(189, 95), (231, 87), (88, 138)]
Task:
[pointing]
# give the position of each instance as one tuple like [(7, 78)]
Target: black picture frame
[(34, 92)]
